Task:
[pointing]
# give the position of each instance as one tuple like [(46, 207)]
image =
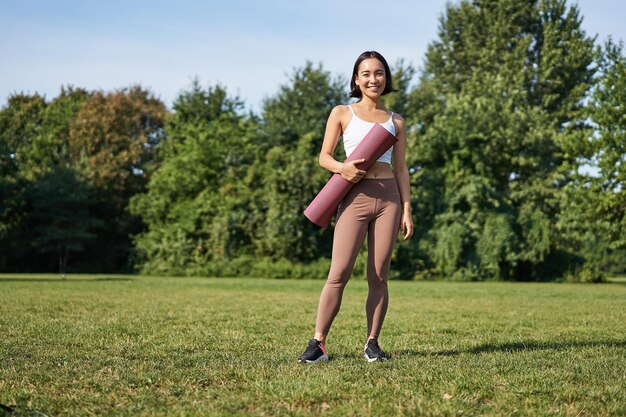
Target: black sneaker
[(373, 352), (316, 352)]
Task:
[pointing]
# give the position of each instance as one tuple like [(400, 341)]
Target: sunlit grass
[(618, 279), (139, 346)]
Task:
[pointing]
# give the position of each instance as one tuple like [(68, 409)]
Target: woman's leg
[(348, 239), (382, 235)]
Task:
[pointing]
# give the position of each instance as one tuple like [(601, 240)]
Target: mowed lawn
[(150, 346)]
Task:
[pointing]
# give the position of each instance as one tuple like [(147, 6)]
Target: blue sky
[(250, 46)]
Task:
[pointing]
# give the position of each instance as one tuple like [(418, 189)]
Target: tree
[(9, 204), (608, 144), (192, 209), (61, 221), (34, 137), (233, 187), (113, 140), (292, 133), (500, 119), (302, 106), (113, 137), (403, 75), (36, 132), (21, 123), (593, 223)]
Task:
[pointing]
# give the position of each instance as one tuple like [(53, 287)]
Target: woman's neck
[(369, 104)]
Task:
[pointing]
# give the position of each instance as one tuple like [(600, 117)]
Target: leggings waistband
[(375, 187)]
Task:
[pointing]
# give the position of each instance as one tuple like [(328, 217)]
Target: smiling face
[(371, 77)]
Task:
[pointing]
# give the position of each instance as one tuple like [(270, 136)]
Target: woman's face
[(370, 77)]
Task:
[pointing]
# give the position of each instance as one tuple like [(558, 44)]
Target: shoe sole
[(322, 358), (374, 359)]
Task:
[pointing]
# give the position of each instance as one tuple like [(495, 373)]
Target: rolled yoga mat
[(325, 204)]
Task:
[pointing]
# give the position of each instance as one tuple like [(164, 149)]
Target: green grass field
[(143, 346)]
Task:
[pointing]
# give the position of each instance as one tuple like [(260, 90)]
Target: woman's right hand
[(350, 172)]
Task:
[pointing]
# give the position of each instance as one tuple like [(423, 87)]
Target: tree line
[(516, 147)]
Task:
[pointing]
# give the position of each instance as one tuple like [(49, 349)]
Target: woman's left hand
[(407, 225)]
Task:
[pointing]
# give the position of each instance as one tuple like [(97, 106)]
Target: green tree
[(593, 222), (302, 106), (112, 144), (292, 133), (33, 138), (608, 144), (21, 123), (403, 75), (61, 221), (500, 120), (36, 132), (9, 204), (194, 207)]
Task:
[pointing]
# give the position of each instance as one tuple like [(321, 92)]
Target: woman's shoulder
[(340, 109), (398, 120), (340, 114), (397, 117)]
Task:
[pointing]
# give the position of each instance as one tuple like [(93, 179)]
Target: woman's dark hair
[(355, 91)]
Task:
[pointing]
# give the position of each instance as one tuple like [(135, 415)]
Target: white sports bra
[(358, 128)]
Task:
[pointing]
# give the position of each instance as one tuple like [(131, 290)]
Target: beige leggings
[(371, 207)]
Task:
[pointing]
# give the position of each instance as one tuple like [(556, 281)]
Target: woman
[(378, 205)]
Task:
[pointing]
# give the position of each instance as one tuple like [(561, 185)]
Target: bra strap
[(353, 113)]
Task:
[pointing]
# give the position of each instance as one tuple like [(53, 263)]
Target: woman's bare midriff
[(380, 170)]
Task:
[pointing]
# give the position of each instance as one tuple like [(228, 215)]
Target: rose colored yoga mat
[(324, 205)]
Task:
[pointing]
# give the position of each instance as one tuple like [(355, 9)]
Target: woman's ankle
[(320, 337)]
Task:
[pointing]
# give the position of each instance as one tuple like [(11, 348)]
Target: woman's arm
[(333, 130), (401, 173)]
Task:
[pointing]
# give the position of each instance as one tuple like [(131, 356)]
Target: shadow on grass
[(63, 280), (19, 411), (515, 347), (339, 356)]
